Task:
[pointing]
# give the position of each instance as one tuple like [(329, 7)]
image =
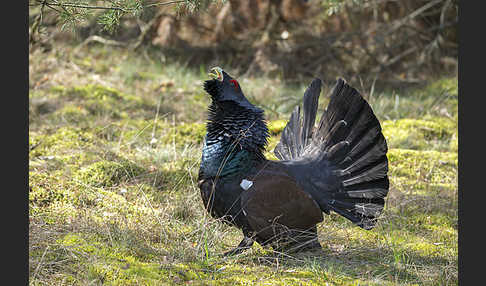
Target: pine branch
[(91, 7), (73, 5), (164, 3), (72, 12)]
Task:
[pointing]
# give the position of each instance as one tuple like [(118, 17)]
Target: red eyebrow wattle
[(235, 83)]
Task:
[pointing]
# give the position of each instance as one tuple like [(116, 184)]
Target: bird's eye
[(235, 84)]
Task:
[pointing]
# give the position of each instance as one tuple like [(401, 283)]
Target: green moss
[(272, 142), (72, 113), (454, 144), (93, 91), (102, 101), (276, 126), (419, 134), (35, 93), (45, 188), (449, 85), (114, 265), (444, 92), (64, 139), (108, 173), (139, 132), (185, 133), (424, 170)]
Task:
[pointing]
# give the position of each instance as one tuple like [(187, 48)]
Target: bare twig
[(442, 13), (412, 15), (400, 56), (40, 263), (74, 5), (220, 20), (145, 28), (35, 146), (164, 3), (92, 7), (95, 38)]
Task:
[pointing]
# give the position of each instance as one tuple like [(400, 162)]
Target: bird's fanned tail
[(298, 132), (349, 144)]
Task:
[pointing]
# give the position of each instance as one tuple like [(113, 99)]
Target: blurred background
[(389, 42)]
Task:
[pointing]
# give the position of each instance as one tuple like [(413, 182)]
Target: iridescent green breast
[(224, 159), (235, 141)]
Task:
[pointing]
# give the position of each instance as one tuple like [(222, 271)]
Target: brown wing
[(275, 203)]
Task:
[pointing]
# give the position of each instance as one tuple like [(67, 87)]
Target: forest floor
[(115, 142)]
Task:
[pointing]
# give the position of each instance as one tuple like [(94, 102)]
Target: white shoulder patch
[(245, 184)]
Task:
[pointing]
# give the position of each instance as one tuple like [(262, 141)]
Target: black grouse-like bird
[(339, 165)]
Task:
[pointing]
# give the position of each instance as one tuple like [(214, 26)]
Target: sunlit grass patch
[(419, 171), (107, 174), (431, 133), (113, 195)]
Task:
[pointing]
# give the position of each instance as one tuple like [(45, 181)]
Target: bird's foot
[(298, 246), (246, 243)]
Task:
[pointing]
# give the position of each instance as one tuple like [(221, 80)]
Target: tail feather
[(289, 146), (334, 133), (342, 96), (376, 172), (336, 152), (374, 154), (297, 133), (311, 99), (349, 137), (371, 137), (364, 207), (362, 194), (363, 123)]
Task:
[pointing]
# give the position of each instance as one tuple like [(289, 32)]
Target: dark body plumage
[(340, 165)]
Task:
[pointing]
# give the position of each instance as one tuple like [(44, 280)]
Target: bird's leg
[(306, 240), (298, 240), (245, 243)]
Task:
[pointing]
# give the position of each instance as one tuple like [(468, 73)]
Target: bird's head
[(223, 88)]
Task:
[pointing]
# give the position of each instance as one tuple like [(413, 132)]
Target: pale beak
[(216, 73)]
